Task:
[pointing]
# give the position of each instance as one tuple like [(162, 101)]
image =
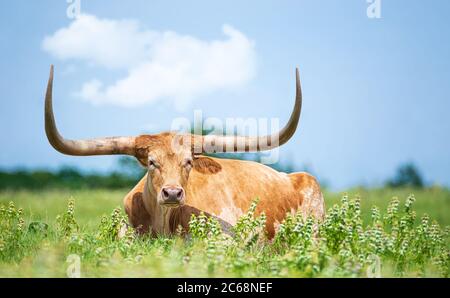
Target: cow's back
[(229, 192)]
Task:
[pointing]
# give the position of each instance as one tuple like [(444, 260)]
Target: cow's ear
[(206, 165)]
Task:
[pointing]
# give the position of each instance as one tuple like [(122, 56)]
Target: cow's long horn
[(100, 146), (253, 144)]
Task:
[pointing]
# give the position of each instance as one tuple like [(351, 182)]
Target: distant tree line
[(70, 178), (406, 175), (128, 172), (126, 176)]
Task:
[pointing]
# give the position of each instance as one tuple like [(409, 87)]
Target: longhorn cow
[(179, 182)]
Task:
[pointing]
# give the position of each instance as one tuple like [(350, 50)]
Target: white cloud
[(160, 65)]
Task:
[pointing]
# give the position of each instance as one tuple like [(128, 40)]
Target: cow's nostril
[(172, 194)]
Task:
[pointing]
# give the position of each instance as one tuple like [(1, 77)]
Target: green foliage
[(406, 175), (343, 245), (249, 229), (112, 235), (12, 230), (66, 223), (202, 227), (127, 175), (66, 178)]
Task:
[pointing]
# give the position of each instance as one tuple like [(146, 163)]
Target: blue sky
[(376, 91)]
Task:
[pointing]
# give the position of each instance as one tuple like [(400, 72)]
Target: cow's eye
[(188, 163), (152, 164)]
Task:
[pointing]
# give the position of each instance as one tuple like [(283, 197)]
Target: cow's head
[(169, 157)]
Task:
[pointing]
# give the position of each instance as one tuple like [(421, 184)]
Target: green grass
[(37, 240), (46, 205), (434, 201)]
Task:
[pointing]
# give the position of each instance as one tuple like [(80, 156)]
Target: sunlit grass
[(37, 240)]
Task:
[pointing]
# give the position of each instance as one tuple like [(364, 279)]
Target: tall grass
[(355, 240)]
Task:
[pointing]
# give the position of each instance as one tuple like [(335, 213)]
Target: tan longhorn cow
[(179, 183)]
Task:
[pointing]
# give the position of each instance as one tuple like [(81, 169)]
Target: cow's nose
[(172, 195)]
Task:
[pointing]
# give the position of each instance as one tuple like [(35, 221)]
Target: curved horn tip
[(50, 77)]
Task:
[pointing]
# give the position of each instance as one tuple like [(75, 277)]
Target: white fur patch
[(313, 203), (230, 214), (276, 225), (123, 231), (308, 192)]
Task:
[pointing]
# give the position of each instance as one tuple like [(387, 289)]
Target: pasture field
[(407, 236)]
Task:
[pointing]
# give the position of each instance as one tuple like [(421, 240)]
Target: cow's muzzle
[(172, 196)]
